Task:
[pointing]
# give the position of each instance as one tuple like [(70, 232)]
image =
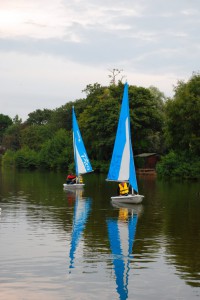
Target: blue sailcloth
[(121, 245), (122, 166), (81, 213), (82, 163)]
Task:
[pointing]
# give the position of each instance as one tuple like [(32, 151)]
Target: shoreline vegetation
[(169, 127)]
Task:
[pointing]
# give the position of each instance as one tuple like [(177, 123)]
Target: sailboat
[(81, 160), (122, 167), (121, 233)]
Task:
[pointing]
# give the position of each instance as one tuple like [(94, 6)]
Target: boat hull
[(73, 186), (131, 199)]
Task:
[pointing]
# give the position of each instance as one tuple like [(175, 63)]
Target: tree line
[(167, 126)]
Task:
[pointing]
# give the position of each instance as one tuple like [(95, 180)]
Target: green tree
[(26, 158), (93, 90), (62, 117), (178, 165), (39, 117), (50, 132), (156, 138), (5, 122), (34, 136), (146, 120), (8, 158), (183, 117), (17, 120), (12, 136), (57, 152), (98, 123)]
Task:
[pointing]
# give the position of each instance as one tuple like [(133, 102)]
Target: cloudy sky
[(51, 49)]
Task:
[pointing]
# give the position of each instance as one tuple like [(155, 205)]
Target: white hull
[(73, 186), (131, 199)]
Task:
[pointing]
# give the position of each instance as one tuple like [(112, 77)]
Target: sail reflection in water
[(121, 234), (81, 213)]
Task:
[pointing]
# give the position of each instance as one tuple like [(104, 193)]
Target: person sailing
[(71, 179), (79, 179), (123, 189)]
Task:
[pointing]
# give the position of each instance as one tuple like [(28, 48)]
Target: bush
[(178, 165), (26, 158), (57, 152), (8, 158), (100, 166)]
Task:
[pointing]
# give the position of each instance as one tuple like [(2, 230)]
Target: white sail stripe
[(124, 238), (124, 245), (80, 210), (80, 164), (125, 162)]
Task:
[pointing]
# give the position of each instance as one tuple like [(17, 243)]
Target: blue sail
[(121, 260), (81, 213), (82, 162), (122, 166)]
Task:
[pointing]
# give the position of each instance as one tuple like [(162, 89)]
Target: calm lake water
[(57, 244)]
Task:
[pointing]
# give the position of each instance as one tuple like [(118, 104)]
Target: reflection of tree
[(40, 194), (43, 190), (150, 227), (169, 213), (182, 229)]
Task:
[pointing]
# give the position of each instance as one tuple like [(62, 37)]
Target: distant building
[(146, 163)]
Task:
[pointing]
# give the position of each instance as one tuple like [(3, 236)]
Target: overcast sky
[(51, 49)]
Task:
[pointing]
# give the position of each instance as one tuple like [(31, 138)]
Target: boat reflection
[(81, 212), (131, 208), (72, 195), (121, 233)]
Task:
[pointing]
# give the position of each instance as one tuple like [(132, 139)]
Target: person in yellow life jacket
[(79, 179), (123, 189)]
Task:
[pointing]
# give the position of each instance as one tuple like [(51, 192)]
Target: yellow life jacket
[(123, 214), (80, 179), (123, 189)]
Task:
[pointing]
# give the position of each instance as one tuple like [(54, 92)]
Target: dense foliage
[(182, 131), (179, 165), (168, 127), (183, 117), (5, 122)]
